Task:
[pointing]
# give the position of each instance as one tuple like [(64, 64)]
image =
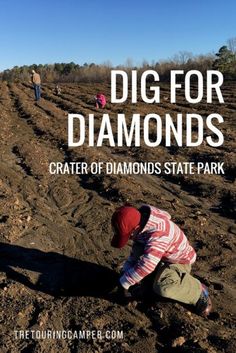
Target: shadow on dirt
[(56, 274)]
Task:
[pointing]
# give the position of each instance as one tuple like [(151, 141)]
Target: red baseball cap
[(124, 220)]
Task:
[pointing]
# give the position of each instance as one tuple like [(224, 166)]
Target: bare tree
[(182, 57), (129, 63), (232, 44), (145, 63)]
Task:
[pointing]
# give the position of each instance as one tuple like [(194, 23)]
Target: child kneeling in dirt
[(100, 100), (159, 248)]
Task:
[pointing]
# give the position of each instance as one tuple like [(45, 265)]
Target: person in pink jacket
[(100, 100), (159, 248)]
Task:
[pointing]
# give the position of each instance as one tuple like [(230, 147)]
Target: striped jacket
[(161, 239)]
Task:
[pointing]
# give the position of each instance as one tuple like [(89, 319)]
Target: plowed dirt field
[(57, 265)]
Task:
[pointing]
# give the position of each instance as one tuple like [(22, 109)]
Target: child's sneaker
[(204, 304)]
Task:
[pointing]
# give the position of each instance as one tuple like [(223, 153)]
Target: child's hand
[(127, 294), (137, 291), (122, 295)]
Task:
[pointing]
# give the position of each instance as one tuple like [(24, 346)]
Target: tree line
[(224, 60)]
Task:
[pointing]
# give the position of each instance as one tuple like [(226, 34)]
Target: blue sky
[(49, 31)]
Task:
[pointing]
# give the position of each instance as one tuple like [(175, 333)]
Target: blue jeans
[(37, 92)]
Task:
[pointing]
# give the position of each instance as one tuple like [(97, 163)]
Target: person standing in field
[(36, 80), (160, 249)]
